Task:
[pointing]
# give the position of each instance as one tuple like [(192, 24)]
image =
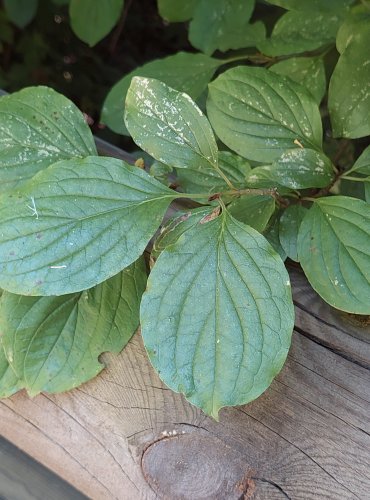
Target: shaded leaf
[(207, 180), (295, 32), (53, 343), (21, 12), (217, 24), (362, 164), (349, 88), (289, 224), (334, 251), (308, 71), (169, 126), (9, 382), (176, 10), (259, 114), (76, 224), (254, 210), (186, 72), (271, 234), (177, 226), (38, 127), (228, 333), (313, 5), (91, 21)]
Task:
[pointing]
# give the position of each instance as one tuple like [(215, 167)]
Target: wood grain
[(126, 436)]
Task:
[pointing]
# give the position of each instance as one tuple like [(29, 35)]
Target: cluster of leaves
[(217, 314)]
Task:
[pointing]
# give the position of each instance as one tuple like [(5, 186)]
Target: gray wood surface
[(125, 435)]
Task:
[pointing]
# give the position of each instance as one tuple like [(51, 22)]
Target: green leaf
[(9, 382), (308, 71), (299, 169), (334, 251), (254, 210), (289, 224), (227, 334), (367, 191), (175, 11), (296, 32), (177, 226), (53, 343), (186, 72), (21, 12), (91, 21), (169, 126), (207, 180), (271, 234), (224, 25), (76, 224), (362, 164), (313, 5), (349, 89), (38, 127), (259, 114), (352, 24)]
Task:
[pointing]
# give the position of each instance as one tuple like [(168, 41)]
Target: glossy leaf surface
[(259, 114), (76, 224), (185, 72), (38, 127), (169, 126)]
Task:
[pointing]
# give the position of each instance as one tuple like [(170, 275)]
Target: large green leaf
[(169, 126), (217, 24), (353, 23), (53, 343), (334, 251), (227, 334), (92, 20), (186, 72), (21, 12), (299, 169), (38, 127), (295, 32), (260, 114), (208, 180), (76, 224), (308, 71), (313, 5), (349, 89), (289, 225), (176, 10), (254, 210)]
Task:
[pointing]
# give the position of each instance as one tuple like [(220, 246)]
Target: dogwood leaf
[(53, 343), (38, 127), (334, 251), (91, 20), (76, 224), (228, 333), (289, 224), (259, 114), (186, 72)]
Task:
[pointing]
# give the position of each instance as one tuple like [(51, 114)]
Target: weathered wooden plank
[(306, 437)]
